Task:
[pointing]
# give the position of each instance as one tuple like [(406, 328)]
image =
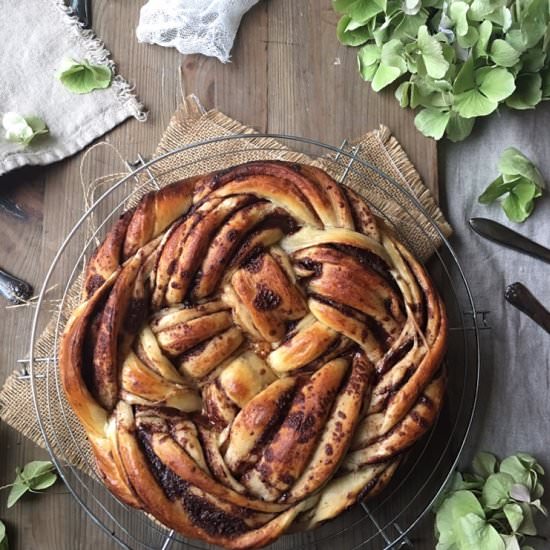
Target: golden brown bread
[(255, 351)]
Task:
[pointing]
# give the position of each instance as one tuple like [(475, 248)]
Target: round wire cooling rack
[(382, 523)]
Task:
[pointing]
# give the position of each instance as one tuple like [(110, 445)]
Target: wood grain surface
[(288, 74)]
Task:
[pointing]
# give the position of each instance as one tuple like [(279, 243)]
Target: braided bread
[(255, 351)]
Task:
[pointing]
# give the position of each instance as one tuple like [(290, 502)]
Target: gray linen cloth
[(514, 406), (36, 36)]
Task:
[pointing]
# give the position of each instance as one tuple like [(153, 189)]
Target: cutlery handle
[(501, 234), (13, 289), (82, 9), (519, 296)]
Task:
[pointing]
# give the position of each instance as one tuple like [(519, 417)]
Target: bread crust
[(254, 352)]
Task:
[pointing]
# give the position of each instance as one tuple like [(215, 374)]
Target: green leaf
[(3, 537), (496, 491), (491, 86), (384, 76), (540, 507), (81, 77), (480, 9), (473, 103), (535, 466), (381, 33), (343, 6), (36, 469), (514, 515), (461, 59), (465, 79), (39, 474), (495, 83), (534, 21), (19, 488), (431, 53), (35, 476), (520, 493), (411, 7), (21, 129), (392, 55), (527, 526), (355, 37), (368, 71), (459, 128), (503, 54), (519, 205), (432, 123), (538, 491), (485, 464), (474, 533), (453, 508), (521, 182), (368, 58), (532, 61), (364, 10), (457, 12), (515, 38), (528, 92), (484, 34), (513, 162), (502, 17), (402, 93), (44, 481), (369, 54), (469, 39), (496, 189), (546, 84), (510, 542), (406, 26)]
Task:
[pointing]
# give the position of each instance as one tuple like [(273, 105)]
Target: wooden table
[(289, 74)]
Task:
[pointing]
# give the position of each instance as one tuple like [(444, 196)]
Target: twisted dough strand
[(255, 351)]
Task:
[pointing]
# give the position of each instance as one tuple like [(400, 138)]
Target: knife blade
[(83, 10), (520, 296), (501, 234)]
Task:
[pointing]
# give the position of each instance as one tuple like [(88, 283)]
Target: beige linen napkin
[(36, 36)]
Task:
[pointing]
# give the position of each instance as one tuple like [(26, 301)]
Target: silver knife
[(83, 10), (501, 234)]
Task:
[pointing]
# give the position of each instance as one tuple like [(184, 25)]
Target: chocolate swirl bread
[(254, 352)]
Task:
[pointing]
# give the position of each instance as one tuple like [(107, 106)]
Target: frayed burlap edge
[(191, 123)]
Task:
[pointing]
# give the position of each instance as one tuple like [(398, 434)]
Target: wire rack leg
[(403, 542), (167, 541)]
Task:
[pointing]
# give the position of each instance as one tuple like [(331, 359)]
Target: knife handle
[(520, 296), (501, 234), (13, 289), (82, 9)]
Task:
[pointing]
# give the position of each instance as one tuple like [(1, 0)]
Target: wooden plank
[(314, 88), (288, 74)]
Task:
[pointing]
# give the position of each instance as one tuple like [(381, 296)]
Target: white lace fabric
[(193, 26)]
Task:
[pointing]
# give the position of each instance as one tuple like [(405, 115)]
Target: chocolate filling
[(172, 485), (210, 518), (266, 299)]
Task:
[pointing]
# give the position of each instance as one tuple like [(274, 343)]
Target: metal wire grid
[(114, 517)]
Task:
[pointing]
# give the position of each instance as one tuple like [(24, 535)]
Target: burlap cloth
[(191, 123)]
